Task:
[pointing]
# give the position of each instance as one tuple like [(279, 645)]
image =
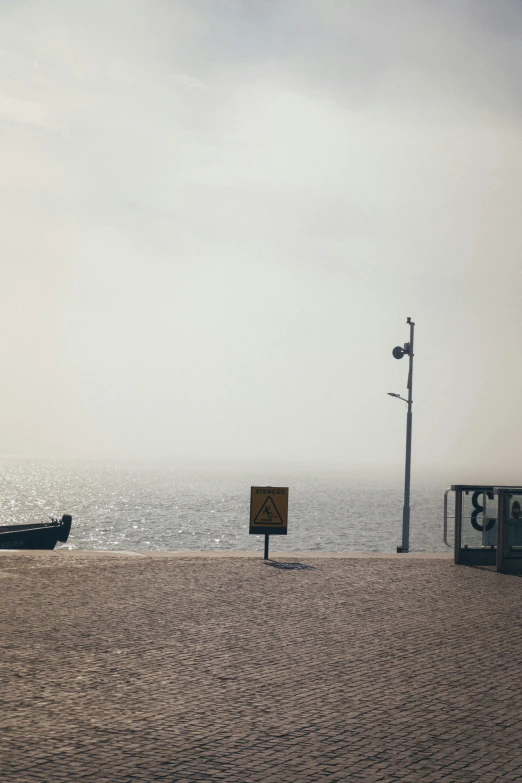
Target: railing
[(445, 531), (475, 529), (488, 526)]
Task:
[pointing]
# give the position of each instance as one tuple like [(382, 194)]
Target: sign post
[(268, 512)]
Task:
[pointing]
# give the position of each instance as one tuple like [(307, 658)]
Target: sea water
[(125, 505)]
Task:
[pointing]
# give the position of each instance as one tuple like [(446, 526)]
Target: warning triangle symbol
[(268, 514)]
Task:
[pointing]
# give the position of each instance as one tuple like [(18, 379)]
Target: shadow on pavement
[(289, 566)]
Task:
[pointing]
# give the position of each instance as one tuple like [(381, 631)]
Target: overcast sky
[(217, 215)]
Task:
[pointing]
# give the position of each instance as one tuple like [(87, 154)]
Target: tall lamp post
[(398, 353)]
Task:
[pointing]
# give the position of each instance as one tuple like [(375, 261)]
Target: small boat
[(43, 535)]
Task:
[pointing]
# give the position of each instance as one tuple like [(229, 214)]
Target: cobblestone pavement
[(229, 669)]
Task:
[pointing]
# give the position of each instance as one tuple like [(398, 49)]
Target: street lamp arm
[(392, 394)]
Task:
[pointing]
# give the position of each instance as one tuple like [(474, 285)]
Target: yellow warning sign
[(269, 510)]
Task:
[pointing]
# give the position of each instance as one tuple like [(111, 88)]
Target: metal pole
[(458, 527), (267, 539), (407, 473)]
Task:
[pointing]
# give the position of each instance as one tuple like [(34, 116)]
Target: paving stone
[(221, 669)]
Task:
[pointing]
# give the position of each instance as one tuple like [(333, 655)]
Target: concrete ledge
[(224, 554)]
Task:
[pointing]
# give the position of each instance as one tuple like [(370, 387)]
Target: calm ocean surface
[(118, 505)]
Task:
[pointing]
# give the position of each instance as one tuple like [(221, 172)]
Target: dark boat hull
[(43, 536)]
